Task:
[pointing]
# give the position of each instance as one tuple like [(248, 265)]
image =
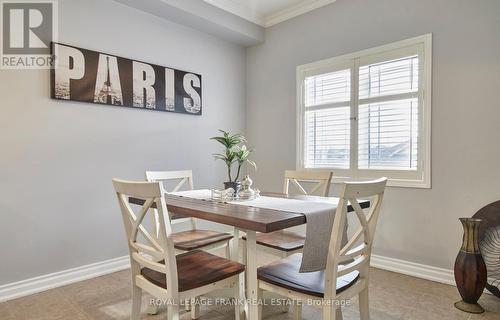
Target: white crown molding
[(295, 11), (254, 16), (58, 279), (239, 10)]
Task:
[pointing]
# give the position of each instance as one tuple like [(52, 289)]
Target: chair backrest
[(145, 249), (181, 177), (355, 255), (320, 179)]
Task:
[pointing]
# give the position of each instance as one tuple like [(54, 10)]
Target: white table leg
[(235, 256), (251, 269)]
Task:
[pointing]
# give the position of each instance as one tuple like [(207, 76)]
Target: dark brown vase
[(470, 270)]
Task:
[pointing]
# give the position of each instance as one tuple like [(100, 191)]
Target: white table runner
[(319, 217)]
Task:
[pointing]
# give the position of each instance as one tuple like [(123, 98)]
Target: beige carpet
[(393, 296)]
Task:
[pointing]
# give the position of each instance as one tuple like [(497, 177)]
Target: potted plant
[(235, 153)]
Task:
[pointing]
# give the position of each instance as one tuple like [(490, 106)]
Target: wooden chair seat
[(196, 239), (196, 269), (282, 240), (285, 273)]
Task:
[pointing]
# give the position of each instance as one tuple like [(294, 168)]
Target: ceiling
[(242, 22), (268, 12)]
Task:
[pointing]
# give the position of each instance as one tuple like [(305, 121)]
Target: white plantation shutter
[(389, 77), (388, 126), (327, 125), (328, 88), (328, 138), (365, 115)]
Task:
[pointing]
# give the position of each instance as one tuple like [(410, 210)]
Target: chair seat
[(196, 239), (285, 273), (196, 269), (282, 240)]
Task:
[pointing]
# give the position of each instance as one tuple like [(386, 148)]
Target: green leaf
[(253, 164), (235, 150)]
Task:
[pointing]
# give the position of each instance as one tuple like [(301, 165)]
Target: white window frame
[(421, 178)]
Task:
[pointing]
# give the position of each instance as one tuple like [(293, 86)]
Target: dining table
[(247, 220)]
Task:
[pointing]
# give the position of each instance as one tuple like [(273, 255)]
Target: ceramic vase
[(470, 269), (236, 185)]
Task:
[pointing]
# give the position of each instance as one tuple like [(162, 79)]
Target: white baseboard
[(34, 285), (58, 279), (413, 269)]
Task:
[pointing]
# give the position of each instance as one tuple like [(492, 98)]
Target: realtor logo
[(28, 28)]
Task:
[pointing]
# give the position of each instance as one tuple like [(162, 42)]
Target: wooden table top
[(240, 216)]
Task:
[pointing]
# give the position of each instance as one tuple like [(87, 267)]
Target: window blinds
[(328, 88), (387, 112), (388, 126), (328, 138), (327, 124)]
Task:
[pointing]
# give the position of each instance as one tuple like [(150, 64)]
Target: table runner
[(319, 218)]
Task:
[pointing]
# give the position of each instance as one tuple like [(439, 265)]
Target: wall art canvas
[(89, 76)]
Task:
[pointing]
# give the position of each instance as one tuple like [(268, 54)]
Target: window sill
[(397, 183), (396, 179)]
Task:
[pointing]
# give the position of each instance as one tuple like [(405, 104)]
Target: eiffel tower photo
[(107, 94)]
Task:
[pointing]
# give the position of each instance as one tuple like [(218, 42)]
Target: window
[(367, 114)]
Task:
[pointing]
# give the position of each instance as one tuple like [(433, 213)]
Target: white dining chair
[(321, 181), (284, 243), (194, 238), (347, 268), (156, 269)]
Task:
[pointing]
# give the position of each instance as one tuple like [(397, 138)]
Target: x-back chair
[(347, 269), (286, 242), (195, 238), (155, 266)]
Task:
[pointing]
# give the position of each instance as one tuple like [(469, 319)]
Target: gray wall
[(57, 205), (417, 225)]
